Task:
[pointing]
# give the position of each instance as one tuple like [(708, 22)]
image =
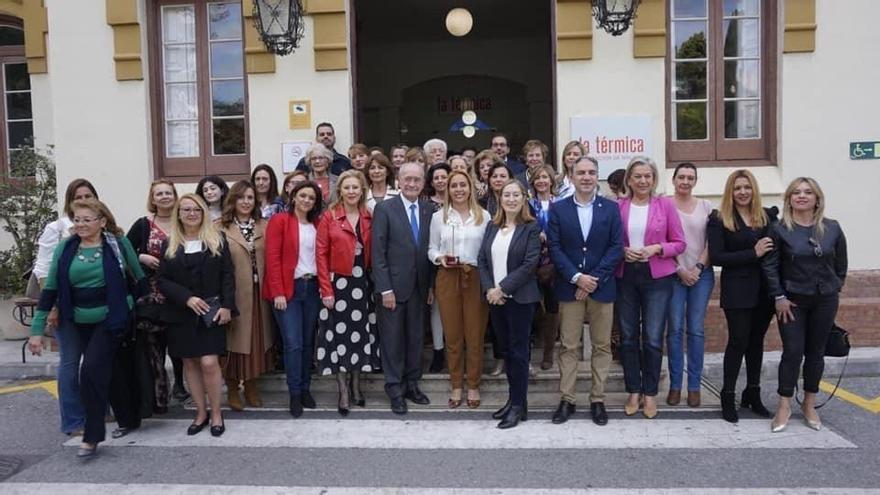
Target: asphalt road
[(28, 431)]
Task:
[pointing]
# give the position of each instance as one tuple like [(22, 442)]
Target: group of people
[(346, 264)]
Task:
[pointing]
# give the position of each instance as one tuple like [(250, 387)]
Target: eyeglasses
[(817, 248), (191, 211), (85, 220)]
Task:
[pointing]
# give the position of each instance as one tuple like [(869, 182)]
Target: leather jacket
[(803, 263)]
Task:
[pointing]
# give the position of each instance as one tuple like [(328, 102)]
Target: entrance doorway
[(413, 79)]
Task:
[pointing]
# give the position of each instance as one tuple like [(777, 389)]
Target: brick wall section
[(859, 314)]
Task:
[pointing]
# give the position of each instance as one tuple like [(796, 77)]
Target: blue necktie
[(414, 223)]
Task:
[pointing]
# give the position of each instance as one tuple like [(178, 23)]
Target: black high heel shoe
[(355, 393), (344, 392)]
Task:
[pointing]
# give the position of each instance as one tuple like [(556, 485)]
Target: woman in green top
[(87, 282)]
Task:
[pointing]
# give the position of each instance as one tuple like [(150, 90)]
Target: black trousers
[(803, 341), (400, 339), (131, 386), (99, 346), (513, 325), (746, 329)]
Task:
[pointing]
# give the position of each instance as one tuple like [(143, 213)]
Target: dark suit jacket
[(212, 276), (340, 164), (523, 256), (399, 264), (516, 167), (742, 278), (596, 256)]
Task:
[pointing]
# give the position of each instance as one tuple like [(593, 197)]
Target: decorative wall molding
[(122, 16), (649, 29), (258, 60), (330, 33), (574, 30), (35, 22), (800, 26)]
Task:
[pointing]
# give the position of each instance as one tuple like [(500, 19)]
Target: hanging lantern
[(280, 24), (614, 16)]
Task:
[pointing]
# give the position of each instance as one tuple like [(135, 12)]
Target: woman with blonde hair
[(805, 272), (146, 236), (738, 237), (198, 280), (652, 238), (507, 262), (346, 343), (249, 335), (456, 235), (571, 153), (88, 280)]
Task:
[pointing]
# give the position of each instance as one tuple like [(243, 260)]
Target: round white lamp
[(459, 22)]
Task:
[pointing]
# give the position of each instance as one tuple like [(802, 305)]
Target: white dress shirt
[(500, 248), (456, 237)]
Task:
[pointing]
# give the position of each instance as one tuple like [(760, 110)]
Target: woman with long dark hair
[(291, 285), (265, 184)]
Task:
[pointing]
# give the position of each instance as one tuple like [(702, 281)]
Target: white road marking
[(469, 434), (169, 489)]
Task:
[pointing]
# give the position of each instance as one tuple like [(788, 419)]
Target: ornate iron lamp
[(614, 16), (280, 24)]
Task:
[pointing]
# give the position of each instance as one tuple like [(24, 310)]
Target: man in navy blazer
[(501, 147), (585, 236)]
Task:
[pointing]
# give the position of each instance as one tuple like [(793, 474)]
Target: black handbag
[(208, 318), (837, 344)]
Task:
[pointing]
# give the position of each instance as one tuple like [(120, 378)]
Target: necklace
[(89, 259)]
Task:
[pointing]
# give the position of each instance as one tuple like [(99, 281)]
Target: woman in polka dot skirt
[(346, 343)]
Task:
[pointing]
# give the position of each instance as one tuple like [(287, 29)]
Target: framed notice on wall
[(291, 153), (300, 114), (613, 139)]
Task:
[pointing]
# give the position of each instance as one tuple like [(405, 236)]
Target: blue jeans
[(298, 325), (70, 350), (643, 302), (687, 306)]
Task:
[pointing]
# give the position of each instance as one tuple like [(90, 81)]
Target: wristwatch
[(701, 266)]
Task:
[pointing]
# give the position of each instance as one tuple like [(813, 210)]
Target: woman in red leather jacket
[(291, 285), (347, 335)]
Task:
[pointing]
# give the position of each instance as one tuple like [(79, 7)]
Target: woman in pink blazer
[(652, 238)]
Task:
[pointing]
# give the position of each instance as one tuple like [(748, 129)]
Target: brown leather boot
[(694, 398), (252, 393), (233, 398), (674, 397)]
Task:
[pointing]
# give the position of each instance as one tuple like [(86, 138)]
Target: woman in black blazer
[(738, 239), (508, 260), (198, 281)]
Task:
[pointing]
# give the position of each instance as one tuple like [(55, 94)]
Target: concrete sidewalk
[(863, 361)]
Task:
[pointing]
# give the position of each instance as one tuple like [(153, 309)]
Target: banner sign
[(613, 139)]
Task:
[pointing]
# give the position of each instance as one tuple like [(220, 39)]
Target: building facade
[(131, 90)]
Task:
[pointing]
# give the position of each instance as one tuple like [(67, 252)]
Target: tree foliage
[(27, 204)]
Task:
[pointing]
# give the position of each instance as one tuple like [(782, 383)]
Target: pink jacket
[(664, 228)]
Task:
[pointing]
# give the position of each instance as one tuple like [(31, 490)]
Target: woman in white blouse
[(456, 235)]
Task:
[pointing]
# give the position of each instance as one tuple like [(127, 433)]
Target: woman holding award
[(456, 235)]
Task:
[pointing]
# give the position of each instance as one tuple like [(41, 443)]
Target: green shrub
[(27, 203)]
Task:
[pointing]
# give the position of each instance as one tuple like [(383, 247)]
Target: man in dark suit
[(326, 135), (402, 276), (585, 236), (501, 147)]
